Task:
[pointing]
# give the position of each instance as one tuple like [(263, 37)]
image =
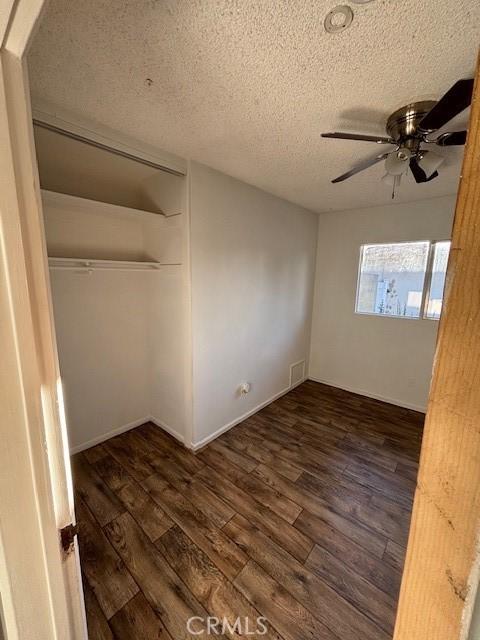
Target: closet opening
[(115, 236)]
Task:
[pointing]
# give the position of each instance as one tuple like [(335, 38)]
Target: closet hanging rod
[(88, 265), (105, 147), (90, 269)]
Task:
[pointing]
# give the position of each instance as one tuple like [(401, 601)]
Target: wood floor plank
[(275, 436), (242, 460), (254, 485), (346, 550), (137, 620), (340, 490), (275, 414), (407, 469), (323, 602), (157, 448), (220, 464), (372, 510), (254, 447), (387, 523), (101, 501), (164, 590), (195, 491), (395, 555), (320, 429), (166, 443), (314, 463), (112, 472), (129, 457), (292, 620), (281, 531), (394, 486), (153, 520), (106, 574), (213, 541), (363, 439), (97, 624), (331, 514), (95, 453), (217, 594), (365, 456), (374, 603)]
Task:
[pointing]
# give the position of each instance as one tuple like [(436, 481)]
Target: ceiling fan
[(408, 129)]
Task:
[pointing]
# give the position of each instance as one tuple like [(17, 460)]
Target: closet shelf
[(89, 264)]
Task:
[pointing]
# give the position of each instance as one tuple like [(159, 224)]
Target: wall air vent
[(297, 372)]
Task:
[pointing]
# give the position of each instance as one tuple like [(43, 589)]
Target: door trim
[(441, 571), (36, 498)]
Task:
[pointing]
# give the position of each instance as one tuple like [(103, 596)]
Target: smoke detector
[(338, 19)]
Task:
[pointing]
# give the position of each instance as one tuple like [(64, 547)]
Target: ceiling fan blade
[(358, 136), (453, 102), (360, 167), (419, 174), (450, 139)]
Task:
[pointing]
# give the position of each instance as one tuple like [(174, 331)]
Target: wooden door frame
[(442, 565), (40, 586)]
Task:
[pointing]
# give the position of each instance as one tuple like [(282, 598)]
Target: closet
[(117, 251)]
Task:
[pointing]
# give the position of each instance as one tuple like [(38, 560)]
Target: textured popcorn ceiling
[(247, 86)]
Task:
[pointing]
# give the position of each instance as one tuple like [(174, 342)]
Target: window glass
[(433, 308), (391, 279)]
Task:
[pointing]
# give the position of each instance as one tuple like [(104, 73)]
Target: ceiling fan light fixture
[(396, 163)]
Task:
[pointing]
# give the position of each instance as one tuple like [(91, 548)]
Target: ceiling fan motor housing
[(402, 126)]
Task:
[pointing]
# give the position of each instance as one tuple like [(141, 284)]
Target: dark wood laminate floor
[(299, 514)]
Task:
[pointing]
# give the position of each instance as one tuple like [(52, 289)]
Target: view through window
[(437, 282), (392, 279)]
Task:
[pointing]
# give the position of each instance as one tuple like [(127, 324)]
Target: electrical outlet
[(245, 388)]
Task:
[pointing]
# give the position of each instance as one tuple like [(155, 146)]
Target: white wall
[(168, 320), (386, 358), (253, 259), (101, 327)]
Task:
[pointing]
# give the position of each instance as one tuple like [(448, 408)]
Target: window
[(393, 278), (433, 307)]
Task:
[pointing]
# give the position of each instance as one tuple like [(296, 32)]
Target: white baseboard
[(175, 434), (108, 435), (202, 443), (158, 423), (126, 427), (368, 394)]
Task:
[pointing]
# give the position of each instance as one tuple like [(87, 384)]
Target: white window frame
[(427, 281)]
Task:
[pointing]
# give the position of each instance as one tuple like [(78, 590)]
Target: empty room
[(240, 298)]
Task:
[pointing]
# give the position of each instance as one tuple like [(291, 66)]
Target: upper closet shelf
[(88, 265)]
